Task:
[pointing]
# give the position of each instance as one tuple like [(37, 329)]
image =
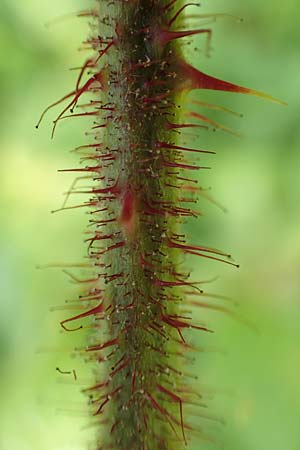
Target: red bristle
[(170, 23), (98, 309), (106, 344), (192, 78), (177, 399), (177, 147), (161, 410), (162, 37)]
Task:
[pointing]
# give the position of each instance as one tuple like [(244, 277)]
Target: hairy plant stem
[(142, 92), (143, 189)]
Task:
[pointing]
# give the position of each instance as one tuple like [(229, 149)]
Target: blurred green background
[(255, 375)]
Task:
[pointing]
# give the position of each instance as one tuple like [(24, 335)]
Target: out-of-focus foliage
[(255, 374)]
